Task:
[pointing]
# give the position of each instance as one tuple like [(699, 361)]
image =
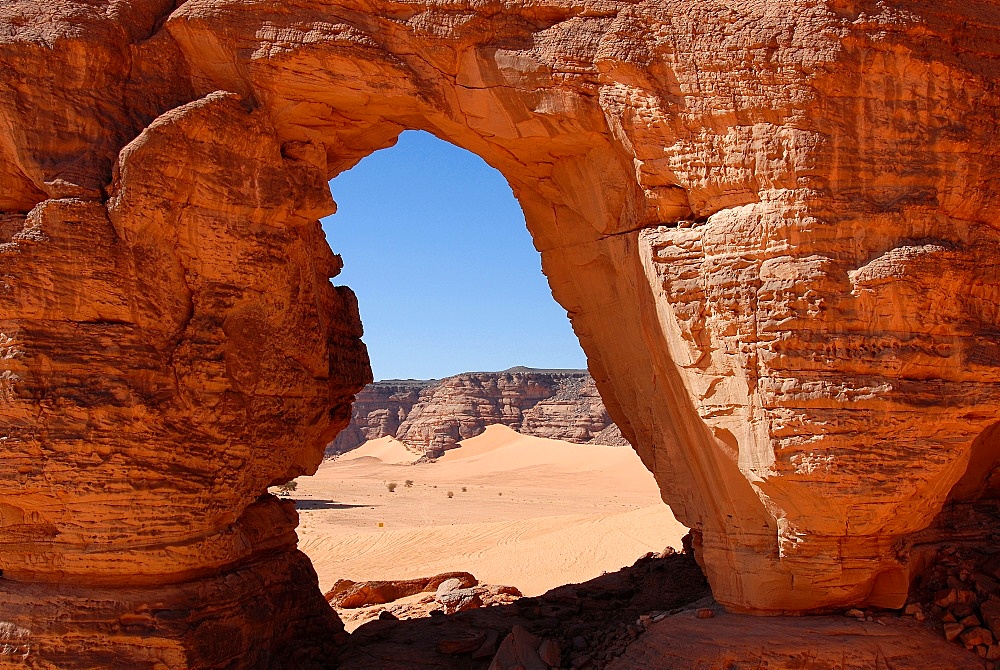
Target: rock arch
[(773, 226)]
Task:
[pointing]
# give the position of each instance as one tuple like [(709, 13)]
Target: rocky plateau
[(773, 224), (430, 416)]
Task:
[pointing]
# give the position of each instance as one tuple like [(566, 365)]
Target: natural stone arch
[(802, 350)]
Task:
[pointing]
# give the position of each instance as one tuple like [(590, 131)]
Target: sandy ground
[(526, 511)]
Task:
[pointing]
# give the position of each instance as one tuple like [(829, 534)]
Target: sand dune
[(386, 449), (536, 461), (533, 554), (535, 513)]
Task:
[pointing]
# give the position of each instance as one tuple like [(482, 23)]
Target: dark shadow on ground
[(325, 504), (592, 622), (957, 559)]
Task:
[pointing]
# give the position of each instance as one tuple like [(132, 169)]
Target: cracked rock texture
[(432, 416), (773, 225)]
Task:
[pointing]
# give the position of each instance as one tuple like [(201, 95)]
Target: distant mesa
[(431, 416)]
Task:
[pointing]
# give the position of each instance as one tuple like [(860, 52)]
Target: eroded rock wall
[(377, 411), (170, 343), (432, 416), (773, 225)]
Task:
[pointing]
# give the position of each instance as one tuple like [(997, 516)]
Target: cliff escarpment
[(434, 415)]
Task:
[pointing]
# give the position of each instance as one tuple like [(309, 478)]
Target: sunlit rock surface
[(430, 416), (773, 225)]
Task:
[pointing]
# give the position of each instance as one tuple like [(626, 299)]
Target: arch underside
[(774, 234)]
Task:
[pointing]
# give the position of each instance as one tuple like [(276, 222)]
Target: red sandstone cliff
[(431, 416), (378, 410)]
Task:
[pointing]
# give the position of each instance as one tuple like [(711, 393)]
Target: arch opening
[(435, 246)]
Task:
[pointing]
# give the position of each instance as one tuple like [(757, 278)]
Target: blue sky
[(435, 247)]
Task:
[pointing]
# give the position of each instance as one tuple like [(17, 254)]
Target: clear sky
[(435, 247)]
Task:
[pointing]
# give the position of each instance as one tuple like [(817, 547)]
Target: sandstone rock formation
[(646, 617), (773, 225), (432, 416), (346, 594), (378, 410), (447, 593)]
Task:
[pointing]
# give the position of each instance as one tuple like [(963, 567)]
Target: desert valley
[(504, 550), (468, 493), (515, 510)]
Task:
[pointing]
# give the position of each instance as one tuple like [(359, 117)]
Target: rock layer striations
[(432, 416), (773, 225)]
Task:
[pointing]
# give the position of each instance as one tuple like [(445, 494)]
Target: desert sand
[(387, 450), (529, 512)]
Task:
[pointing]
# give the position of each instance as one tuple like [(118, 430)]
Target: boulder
[(459, 600), (521, 650), (991, 615), (346, 594)]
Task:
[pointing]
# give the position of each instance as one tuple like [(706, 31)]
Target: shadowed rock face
[(432, 416), (773, 225)]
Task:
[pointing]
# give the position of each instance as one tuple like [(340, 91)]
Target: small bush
[(408, 483), (464, 489), (499, 493), (286, 488), (451, 494), (391, 486)]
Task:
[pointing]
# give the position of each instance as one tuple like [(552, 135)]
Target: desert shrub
[(286, 488), (408, 483), (464, 489), (391, 486), (451, 494)]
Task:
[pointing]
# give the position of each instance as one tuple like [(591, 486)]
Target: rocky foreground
[(658, 614), (430, 416), (655, 615), (586, 625)]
